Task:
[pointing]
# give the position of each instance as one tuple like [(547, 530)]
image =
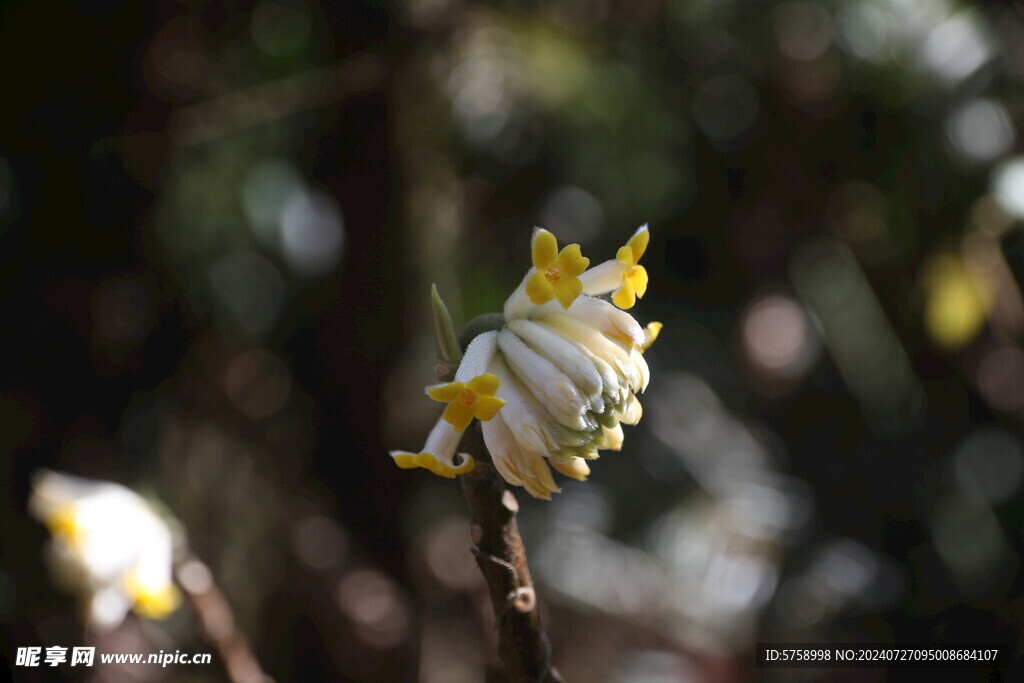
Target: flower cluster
[(108, 546), (556, 382)]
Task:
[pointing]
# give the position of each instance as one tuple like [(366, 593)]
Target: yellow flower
[(557, 273), (468, 400), (634, 279), (624, 276)]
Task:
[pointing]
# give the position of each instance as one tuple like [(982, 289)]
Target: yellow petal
[(445, 392), (63, 524), (571, 261), (638, 278), (539, 289), (625, 256), (486, 407), (638, 242), (567, 290), (544, 248), (651, 333), (625, 297), (409, 461), (458, 414), (156, 603), (485, 384)]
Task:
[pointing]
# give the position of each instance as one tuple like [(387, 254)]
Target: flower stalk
[(523, 646), (217, 621)]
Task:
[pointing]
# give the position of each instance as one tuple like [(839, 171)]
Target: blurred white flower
[(555, 383), (108, 546)]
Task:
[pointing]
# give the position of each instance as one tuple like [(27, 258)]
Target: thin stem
[(218, 622), (522, 644)]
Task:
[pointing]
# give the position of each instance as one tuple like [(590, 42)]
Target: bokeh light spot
[(1001, 378), (957, 47), (776, 336), (1008, 186), (258, 383), (312, 233), (980, 130), (268, 188), (803, 30), (725, 106), (990, 462), (319, 542), (865, 30), (955, 309), (374, 605), (249, 291), (280, 27)]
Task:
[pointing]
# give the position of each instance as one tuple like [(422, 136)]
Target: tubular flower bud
[(438, 455), (109, 546), (554, 385)]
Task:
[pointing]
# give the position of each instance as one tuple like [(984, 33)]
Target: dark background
[(219, 223)]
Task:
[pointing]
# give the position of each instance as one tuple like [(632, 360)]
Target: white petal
[(611, 321), (599, 345), (545, 381), (53, 490), (501, 444), (576, 468), (613, 386), (156, 553), (536, 427), (631, 411), (522, 410), (518, 465), (613, 438), (604, 278), (565, 355), (518, 305), (637, 358), (478, 354)]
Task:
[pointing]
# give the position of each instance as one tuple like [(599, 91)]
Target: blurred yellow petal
[(155, 603), (955, 306)]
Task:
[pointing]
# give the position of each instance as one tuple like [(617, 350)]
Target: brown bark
[(522, 644)]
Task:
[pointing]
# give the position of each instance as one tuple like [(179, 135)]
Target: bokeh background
[(219, 224)]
